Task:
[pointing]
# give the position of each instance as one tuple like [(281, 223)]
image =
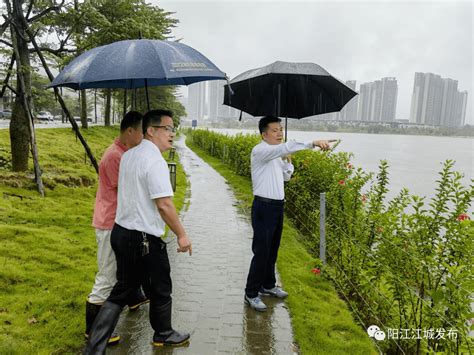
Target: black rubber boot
[(160, 319), (138, 299), (102, 328), (92, 310)]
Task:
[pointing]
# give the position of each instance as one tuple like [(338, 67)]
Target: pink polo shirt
[(106, 198)]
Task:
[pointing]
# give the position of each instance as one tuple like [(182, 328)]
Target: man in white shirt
[(270, 167), (144, 207), (131, 134)]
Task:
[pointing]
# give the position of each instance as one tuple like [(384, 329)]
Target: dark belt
[(140, 234), (269, 200)]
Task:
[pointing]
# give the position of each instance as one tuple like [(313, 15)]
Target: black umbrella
[(284, 89)]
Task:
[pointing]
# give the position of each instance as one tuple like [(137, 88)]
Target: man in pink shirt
[(104, 219)]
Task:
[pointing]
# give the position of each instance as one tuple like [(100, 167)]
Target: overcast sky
[(353, 40)]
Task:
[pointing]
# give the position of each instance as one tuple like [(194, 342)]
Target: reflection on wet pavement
[(208, 287)]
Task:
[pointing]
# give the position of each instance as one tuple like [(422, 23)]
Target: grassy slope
[(47, 245), (321, 321)]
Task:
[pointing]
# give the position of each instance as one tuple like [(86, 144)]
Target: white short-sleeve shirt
[(143, 177)]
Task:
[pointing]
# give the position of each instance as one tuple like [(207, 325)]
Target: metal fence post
[(224, 153), (171, 153), (172, 168), (322, 227)]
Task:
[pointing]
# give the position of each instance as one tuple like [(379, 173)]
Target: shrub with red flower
[(463, 217), (341, 182), (316, 271)]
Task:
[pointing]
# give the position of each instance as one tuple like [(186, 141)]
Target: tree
[(44, 100), (77, 27), (19, 131), (22, 22), (83, 98), (163, 97), (103, 22)]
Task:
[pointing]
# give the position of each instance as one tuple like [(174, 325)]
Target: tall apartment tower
[(216, 97), (378, 100), (233, 112), (389, 99), (196, 101), (426, 99), (436, 101), (460, 109), (349, 111), (363, 111)]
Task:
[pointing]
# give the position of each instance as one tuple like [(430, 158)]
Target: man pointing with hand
[(144, 207), (269, 171)]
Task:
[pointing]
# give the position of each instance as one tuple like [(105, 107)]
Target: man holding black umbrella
[(269, 171)]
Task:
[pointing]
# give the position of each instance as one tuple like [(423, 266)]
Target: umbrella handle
[(338, 141), (231, 92)]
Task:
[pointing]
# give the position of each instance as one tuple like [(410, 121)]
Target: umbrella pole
[(278, 110), (124, 102), (146, 91)]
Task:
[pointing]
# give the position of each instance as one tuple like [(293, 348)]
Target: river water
[(414, 161)]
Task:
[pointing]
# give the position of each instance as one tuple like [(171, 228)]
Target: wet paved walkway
[(208, 287)]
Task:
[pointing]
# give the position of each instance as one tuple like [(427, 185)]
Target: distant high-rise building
[(223, 111), (427, 101), (196, 100), (459, 114), (436, 101), (215, 97), (389, 99), (377, 100), (363, 111), (349, 111), (448, 103), (233, 112)]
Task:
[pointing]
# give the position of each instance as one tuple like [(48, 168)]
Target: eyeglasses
[(170, 129)]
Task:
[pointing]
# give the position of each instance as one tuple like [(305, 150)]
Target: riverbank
[(306, 125)]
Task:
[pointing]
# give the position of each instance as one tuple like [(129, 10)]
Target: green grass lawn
[(47, 245), (321, 321)]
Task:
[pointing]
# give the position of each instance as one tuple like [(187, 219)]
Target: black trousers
[(267, 224), (134, 269)]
